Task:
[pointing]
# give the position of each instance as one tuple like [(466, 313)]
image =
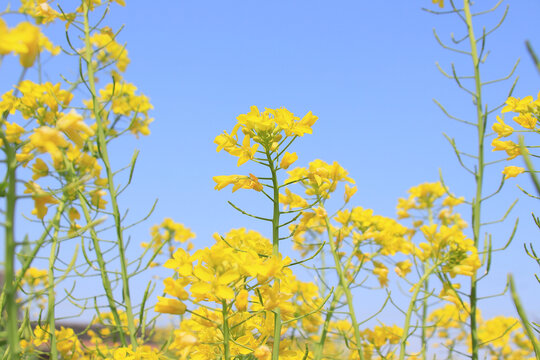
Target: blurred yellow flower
[(439, 2), (512, 171), (170, 306)]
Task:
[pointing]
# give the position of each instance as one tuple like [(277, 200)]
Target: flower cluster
[(528, 110), (237, 272), (319, 179), (268, 129), (164, 233), (501, 336)]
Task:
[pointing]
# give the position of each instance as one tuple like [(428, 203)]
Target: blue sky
[(366, 69)]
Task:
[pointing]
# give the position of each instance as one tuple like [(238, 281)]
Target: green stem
[(102, 147), (406, 326), (26, 265), (424, 320), (425, 299), (10, 284), (51, 290), (9, 263), (343, 285), (103, 273), (275, 251), (319, 347), (529, 165), (523, 316), (225, 329), (479, 175)]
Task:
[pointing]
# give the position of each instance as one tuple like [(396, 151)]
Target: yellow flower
[(9, 102), (245, 152), (96, 198), (45, 13), (184, 342), (226, 141), (349, 192), (28, 35), (292, 200), (382, 273), (181, 262), (41, 335), (213, 285), (14, 132), (262, 353), (274, 298), (238, 182), (439, 2), (39, 169), (25, 155), (8, 43), (527, 120), (46, 139), (170, 306), (287, 160), (242, 300), (175, 287), (68, 344), (512, 171), (502, 129), (517, 104), (255, 120), (270, 268), (41, 199), (74, 214), (403, 268), (304, 125), (33, 277), (511, 148), (451, 201), (110, 50), (73, 126), (320, 212)]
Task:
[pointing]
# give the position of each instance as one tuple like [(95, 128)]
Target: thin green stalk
[(103, 273), (523, 316), (529, 164), (343, 285), (324, 332), (27, 263), (225, 329), (51, 290), (424, 319), (9, 252), (275, 251), (406, 326), (102, 147), (479, 176), (425, 299), (10, 284)]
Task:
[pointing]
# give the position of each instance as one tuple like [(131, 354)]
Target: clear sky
[(365, 68)]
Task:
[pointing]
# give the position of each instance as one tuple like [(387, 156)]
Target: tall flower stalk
[(476, 52), (103, 152)]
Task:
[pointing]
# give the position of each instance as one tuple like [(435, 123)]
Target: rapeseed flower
[(238, 182), (41, 199), (512, 171), (170, 306), (502, 129), (287, 160), (74, 127), (439, 2)]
